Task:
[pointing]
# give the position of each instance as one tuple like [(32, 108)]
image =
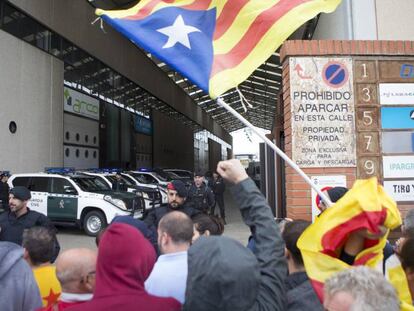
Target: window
[(62, 186), (21, 181), (94, 154), (77, 136), (67, 152), (145, 178), (77, 153), (86, 138), (39, 184), (86, 153), (67, 135), (94, 139)]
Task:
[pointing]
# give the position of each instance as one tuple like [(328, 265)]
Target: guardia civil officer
[(4, 191), (20, 217), (200, 195)]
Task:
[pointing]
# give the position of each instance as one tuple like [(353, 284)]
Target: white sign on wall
[(322, 107), (80, 104), (325, 183), (400, 190), (396, 93), (398, 166)]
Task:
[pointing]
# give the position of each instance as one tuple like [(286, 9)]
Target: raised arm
[(256, 214)]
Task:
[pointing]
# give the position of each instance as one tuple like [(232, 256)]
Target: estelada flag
[(216, 44), (365, 206)]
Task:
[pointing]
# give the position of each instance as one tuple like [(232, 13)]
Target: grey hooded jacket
[(18, 288), (223, 275)]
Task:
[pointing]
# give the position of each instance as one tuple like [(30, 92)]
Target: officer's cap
[(21, 193)]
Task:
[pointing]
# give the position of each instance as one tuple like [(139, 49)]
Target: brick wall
[(298, 193)]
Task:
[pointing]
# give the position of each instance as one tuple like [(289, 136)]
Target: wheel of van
[(94, 222)]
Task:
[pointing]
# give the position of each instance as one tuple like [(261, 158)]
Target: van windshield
[(112, 179), (91, 184)]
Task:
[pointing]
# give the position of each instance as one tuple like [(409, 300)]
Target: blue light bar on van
[(144, 169), (104, 170), (60, 170)]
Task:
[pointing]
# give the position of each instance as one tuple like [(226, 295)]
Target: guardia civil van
[(150, 193), (68, 197)]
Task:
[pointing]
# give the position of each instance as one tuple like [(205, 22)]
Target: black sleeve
[(151, 220), (345, 257), (221, 188), (210, 198)]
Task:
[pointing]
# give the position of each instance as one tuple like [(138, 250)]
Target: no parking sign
[(325, 183)]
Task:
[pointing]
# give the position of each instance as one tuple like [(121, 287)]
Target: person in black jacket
[(223, 275), (20, 217), (218, 190), (119, 184), (200, 195), (300, 293), (177, 201), (4, 191)]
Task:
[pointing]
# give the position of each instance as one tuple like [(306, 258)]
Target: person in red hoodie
[(125, 260)]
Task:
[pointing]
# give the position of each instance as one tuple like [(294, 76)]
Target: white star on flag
[(178, 33)]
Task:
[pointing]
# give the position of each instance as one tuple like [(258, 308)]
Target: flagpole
[(292, 164)]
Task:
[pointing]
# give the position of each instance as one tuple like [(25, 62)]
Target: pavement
[(71, 237)]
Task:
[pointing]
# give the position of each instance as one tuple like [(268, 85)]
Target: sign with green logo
[(81, 104)]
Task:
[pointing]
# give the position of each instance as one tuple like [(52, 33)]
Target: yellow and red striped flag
[(216, 44), (365, 206)]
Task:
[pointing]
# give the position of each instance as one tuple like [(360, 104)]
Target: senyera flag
[(365, 207), (216, 44)]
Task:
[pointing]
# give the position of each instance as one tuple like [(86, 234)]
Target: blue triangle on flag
[(195, 62)]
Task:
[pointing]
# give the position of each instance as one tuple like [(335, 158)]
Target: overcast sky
[(242, 143)]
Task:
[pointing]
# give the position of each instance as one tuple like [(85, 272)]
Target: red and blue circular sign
[(335, 74)]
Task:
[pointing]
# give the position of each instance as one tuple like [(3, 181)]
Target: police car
[(148, 177), (149, 193), (68, 197), (154, 195)]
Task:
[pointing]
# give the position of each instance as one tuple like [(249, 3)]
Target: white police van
[(148, 177), (161, 190), (68, 197), (150, 193)]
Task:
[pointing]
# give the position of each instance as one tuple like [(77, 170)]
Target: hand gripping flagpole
[(292, 164)]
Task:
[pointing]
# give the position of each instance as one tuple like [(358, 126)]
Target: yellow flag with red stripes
[(216, 44), (364, 207)]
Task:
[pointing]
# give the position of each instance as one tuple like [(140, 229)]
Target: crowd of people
[(177, 258)]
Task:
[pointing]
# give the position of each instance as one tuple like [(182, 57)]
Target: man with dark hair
[(200, 194), (169, 275), (119, 184), (206, 225), (177, 201), (300, 294), (20, 217), (334, 194), (39, 248)]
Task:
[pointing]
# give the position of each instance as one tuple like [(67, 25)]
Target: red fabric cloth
[(59, 306), (125, 260)]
